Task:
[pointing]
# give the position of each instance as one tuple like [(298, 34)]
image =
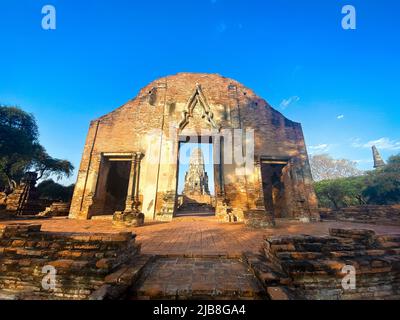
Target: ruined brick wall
[(309, 267), (56, 209), (3, 198), (385, 215), (83, 262), (160, 106), (21, 201)]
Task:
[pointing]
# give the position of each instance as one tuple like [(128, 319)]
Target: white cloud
[(382, 143), (360, 161), (221, 27), (339, 117), (319, 148), (356, 143), (287, 102)]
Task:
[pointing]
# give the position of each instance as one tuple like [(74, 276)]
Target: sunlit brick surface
[(193, 236)]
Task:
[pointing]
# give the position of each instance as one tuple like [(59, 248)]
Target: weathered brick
[(78, 271), (210, 103), (318, 274)]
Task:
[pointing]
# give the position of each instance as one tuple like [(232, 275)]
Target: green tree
[(46, 165), (380, 186), (51, 190), (383, 184), (18, 140), (20, 150), (341, 192)]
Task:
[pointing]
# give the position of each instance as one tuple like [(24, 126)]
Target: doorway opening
[(195, 185), (273, 174), (112, 186)]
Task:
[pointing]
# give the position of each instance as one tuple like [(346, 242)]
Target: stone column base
[(167, 210), (164, 216), (223, 211), (128, 219), (258, 219), (308, 219)]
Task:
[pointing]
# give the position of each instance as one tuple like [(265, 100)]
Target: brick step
[(194, 213), (117, 284), (267, 274), (8, 294), (103, 217), (390, 245), (111, 286), (362, 253), (195, 209), (305, 255), (315, 247), (197, 278), (389, 238), (18, 253), (273, 279), (369, 265)]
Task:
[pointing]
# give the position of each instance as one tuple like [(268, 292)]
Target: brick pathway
[(198, 257), (194, 236), (191, 278)]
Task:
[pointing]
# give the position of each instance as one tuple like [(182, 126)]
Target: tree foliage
[(51, 190), (18, 141), (324, 167), (46, 165), (20, 150), (381, 186), (341, 192)]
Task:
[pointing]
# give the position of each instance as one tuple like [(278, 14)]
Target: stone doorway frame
[(217, 146), (284, 176), (132, 193)]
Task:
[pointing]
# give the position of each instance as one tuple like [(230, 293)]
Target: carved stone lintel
[(197, 97)]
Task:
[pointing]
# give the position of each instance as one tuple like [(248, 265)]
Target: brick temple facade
[(130, 159)]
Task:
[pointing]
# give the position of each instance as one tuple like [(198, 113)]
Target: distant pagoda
[(196, 178), (378, 161)]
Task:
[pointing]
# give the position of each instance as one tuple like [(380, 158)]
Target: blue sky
[(342, 85)]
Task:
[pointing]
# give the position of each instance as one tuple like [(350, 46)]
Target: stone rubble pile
[(310, 267), (56, 209), (88, 266)]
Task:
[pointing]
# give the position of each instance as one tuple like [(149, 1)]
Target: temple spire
[(378, 161), (196, 178)]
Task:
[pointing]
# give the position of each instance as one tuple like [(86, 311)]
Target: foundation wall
[(81, 263), (313, 268)]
